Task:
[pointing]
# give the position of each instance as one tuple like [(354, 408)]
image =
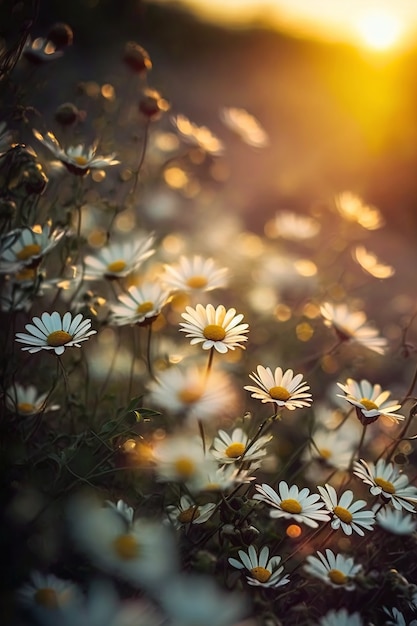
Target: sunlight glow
[(379, 29)]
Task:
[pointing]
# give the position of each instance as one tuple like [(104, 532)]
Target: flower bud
[(60, 35), (151, 104), (137, 58)]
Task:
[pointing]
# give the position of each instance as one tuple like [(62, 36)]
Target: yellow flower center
[(189, 396), (196, 282), (26, 407), (235, 450), (185, 467), (26, 273), (81, 160), (368, 404), (337, 577), (261, 574), (343, 514), (116, 266), (47, 598), (145, 307), (188, 516), (30, 250), (325, 453), (212, 487), (58, 338), (214, 332), (290, 506), (385, 485), (279, 393), (126, 547)]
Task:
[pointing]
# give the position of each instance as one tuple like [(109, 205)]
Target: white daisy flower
[(395, 521), (217, 479), (214, 328), (346, 513), (50, 331), (282, 388), (25, 247), (180, 458), (188, 512), (77, 159), (370, 263), (353, 209), (198, 136), (230, 448), (140, 305), (335, 570), (124, 510), (291, 503), (118, 260), (352, 326), (293, 226), (396, 618), (341, 618), (331, 448), (195, 274), (27, 401), (191, 392), (47, 592), (387, 481), (264, 571), (370, 401), (245, 125)]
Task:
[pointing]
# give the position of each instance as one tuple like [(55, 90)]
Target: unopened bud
[(137, 58)]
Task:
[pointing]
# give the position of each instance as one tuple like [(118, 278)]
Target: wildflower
[(341, 618), (395, 521), (179, 458), (211, 478), (352, 326), (53, 332), (264, 571), (335, 570), (214, 328), (230, 448), (198, 136), (119, 259), (294, 227), (191, 392), (370, 263), (387, 481), (188, 512), (125, 511), (47, 592), (330, 448), (282, 388), (25, 247), (353, 209), (77, 159), (27, 401), (291, 503), (140, 305), (397, 618), (194, 274), (346, 513), (370, 401), (245, 125)]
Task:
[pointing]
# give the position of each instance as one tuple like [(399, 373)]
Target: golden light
[(380, 29)]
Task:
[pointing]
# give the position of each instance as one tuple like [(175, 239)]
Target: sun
[(379, 29)]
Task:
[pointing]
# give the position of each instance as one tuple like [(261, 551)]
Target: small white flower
[(118, 260), (229, 448), (140, 305), (331, 448), (293, 503), (26, 401), (264, 571), (215, 479), (214, 328), (341, 618), (25, 247), (282, 388), (397, 618), (293, 226), (194, 274), (122, 509), (353, 209), (47, 592), (188, 512), (370, 401), (180, 458), (245, 125), (387, 481), (347, 514), (198, 136), (395, 521), (370, 263), (53, 332), (352, 326), (335, 570)]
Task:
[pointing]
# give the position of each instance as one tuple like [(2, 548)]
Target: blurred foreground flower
[(245, 125), (341, 618), (198, 136), (370, 401), (395, 521), (46, 593), (353, 209), (370, 263), (388, 482), (282, 388), (26, 401), (335, 570), (352, 326), (214, 328), (264, 571), (53, 332), (293, 226)]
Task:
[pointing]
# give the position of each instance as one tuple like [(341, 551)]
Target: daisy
[(77, 159), (140, 305), (198, 136), (180, 458), (353, 209), (230, 448), (291, 503), (47, 592), (331, 448), (124, 510), (395, 521), (118, 260), (352, 326), (26, 401), (265, 571), (194, 274), (25, 247), (245, 125), (346, 513), (369, 263), (335, 570), (188, 512), (191, 392), (387, 481), (370, 401), (53, 332), (341, 618), (282, 388), (213, 478), (294, 227), (214, 328), (397, 618)]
